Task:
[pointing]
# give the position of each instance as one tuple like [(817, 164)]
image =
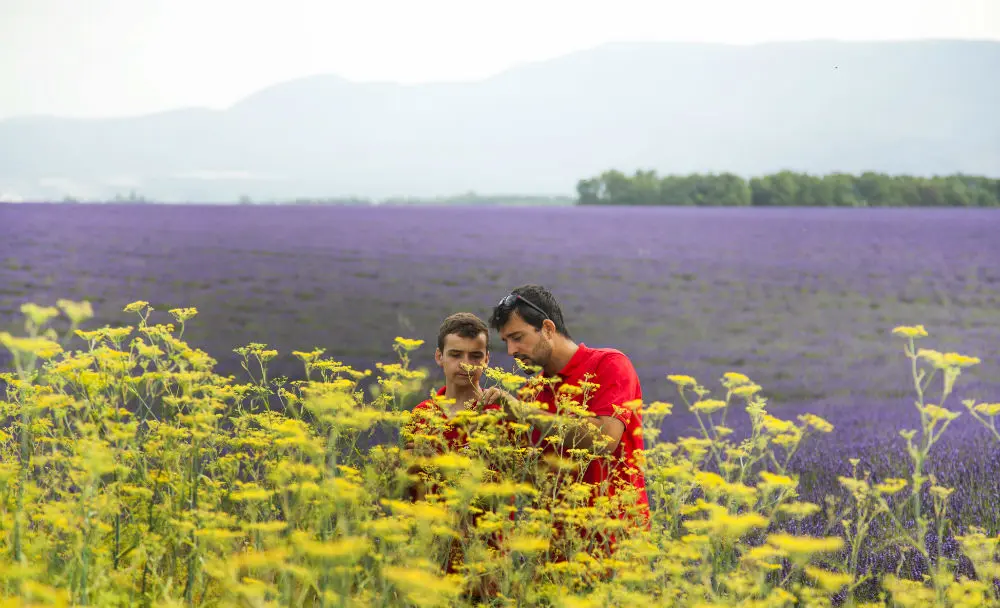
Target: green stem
[(189, 588)]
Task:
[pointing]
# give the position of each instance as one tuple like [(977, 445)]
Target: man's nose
[(511, 349)]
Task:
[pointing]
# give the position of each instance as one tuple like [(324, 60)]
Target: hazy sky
[(113, 57)]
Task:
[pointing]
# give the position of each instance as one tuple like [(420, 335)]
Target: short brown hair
[(466, 325)]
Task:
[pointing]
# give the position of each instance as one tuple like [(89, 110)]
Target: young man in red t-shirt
[(462, 343), (530, 321), (462, 353)]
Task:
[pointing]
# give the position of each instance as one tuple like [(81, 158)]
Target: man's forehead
[(513, 325), (456, 342)]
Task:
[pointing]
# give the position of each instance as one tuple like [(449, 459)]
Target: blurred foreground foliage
[(132, 474), (789, 189)]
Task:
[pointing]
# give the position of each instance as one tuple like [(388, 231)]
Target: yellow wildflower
[(570, 389), (765, 557), (76, 311), (831, 582), (804, 546), (250, 494), (941, 492), (422, 587), (770, 480), (908, 593), (733, 379), (988, 409), (905, 331), (890, 486), (941, 360), (682, 381), (657, 408), (965, 593), (776, 425), (707, 406), (857, 487), (267, 526), (350, 548), (136, 306), (528, 544), (451, 461), (33, 592), (39, 315), (183, 314), (799, 510), (747, 390), (408, 344), (817, 423), (780, 597), (218, 534), (935, 412), (38, 347), (957, 360)]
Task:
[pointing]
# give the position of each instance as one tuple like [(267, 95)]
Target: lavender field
[(802, 301)]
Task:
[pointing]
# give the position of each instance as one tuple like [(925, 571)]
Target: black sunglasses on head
[(508, 301)]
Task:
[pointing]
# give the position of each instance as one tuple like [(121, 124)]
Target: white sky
[(114, 57)]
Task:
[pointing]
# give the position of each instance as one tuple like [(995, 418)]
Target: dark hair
[(540, 297), (466, 325)]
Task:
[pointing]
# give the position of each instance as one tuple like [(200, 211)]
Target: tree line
[(789, 189)]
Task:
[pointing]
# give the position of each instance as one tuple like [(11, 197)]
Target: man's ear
[(437, 356), (549, 328)]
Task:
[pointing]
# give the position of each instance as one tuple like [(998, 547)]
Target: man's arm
[(584, 432), (599, 434), (618, 385)]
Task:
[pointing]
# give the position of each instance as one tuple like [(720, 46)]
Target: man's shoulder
[(429, 403), (607, 357)]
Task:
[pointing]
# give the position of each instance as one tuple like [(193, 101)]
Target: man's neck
[(461, 395), (562, 351)]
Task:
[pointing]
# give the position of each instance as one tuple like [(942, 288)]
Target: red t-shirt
[(619, 384), (424, 413), (455, 437)]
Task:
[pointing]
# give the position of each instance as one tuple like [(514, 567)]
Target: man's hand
[(496, 395)]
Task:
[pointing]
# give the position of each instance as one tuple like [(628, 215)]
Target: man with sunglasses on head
[(530, 322)]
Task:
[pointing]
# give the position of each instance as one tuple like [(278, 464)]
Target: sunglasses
[(510, 300)]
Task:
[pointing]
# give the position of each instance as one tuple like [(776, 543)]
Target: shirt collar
[(575, 361)]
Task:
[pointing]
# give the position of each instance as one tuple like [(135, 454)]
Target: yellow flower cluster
[(132, 473)]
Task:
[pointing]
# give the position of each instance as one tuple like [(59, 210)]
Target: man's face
[(524, 342), (459, 351)]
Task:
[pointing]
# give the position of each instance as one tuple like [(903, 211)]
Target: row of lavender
[(802, 301)]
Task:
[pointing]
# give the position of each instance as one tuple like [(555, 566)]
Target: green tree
[(788, 188)]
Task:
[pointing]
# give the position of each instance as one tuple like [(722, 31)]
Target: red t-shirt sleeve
[(619, 384)]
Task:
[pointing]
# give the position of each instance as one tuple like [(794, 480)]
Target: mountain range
[(915, 107)]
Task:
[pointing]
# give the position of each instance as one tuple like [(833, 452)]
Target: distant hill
[(925, 107)]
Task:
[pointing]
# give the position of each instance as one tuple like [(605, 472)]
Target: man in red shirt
[(530, 321)]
